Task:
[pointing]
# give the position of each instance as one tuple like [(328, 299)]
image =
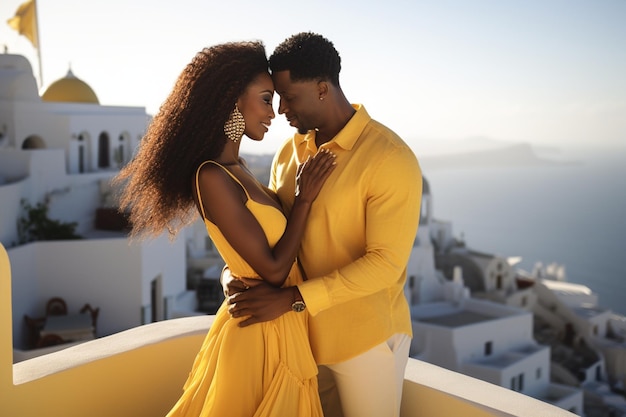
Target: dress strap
[(227, 171)]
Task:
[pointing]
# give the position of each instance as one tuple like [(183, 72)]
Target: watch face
[(298, 306)]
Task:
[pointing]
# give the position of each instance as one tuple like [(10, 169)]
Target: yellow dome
[(70, 89)]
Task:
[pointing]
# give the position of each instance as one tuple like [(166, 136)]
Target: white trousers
[(367, 385)]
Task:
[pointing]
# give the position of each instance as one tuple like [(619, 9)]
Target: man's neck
[(339, 114)]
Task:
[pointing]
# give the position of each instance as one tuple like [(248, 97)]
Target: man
[(358, 237)]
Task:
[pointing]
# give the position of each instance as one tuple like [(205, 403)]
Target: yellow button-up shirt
[(358, 237)]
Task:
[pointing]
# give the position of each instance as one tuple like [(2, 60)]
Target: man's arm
[(392, 219), (262, 302), (230, 285)]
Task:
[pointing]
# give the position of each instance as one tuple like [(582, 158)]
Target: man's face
[(299, 101)]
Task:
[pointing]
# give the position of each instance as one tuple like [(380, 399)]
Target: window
[(103, 151), (156, 299), (81, 157), (488, 348), (517, 383)]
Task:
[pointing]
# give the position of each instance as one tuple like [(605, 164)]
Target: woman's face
[(255, 104)]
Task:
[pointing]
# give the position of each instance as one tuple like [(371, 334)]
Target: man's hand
[(232, 285), (260, 303)]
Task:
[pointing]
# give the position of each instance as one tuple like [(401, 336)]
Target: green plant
[(36, 225)]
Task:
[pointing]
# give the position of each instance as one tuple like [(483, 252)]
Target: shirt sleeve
[(392, 217)]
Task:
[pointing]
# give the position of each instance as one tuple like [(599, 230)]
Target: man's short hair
[(307, 56)]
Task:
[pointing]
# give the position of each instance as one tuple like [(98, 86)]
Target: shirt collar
[(346, 138)]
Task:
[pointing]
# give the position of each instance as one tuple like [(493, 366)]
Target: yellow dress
[(265, 369)]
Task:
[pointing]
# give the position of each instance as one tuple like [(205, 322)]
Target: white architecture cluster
[(534, 333), (60, 150), (479, 338)]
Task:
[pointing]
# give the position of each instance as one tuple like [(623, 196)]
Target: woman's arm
[(224, 204)]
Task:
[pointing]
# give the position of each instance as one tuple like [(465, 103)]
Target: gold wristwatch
[(298, 305)]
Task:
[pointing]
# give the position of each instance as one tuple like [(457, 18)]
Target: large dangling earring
[(235, 125)]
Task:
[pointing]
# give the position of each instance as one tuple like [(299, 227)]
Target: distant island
[(519, 154), (475, 152)]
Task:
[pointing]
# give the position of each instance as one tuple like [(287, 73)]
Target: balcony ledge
[(428, 390), (140, 373)]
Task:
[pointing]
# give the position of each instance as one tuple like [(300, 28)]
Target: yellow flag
[(25, 21)]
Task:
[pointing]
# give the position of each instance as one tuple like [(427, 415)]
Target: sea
[(571, 212)]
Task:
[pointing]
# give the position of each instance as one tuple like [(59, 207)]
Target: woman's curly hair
[(187, 130)]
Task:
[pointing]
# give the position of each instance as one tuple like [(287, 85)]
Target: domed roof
[(16, 79), (70, 89)]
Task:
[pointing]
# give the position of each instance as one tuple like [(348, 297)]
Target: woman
[(189, 162)]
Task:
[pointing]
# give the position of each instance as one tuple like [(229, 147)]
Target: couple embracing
[(316, 322)]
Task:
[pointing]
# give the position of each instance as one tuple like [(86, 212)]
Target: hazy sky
[(543, 71)]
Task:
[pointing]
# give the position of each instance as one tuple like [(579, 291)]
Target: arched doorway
[(34, 142), (78, 162), (104, 151)]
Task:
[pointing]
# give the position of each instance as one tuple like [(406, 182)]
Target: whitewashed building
[(61, 149), (591, 334), (479, 338)]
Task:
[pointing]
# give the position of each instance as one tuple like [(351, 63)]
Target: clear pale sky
[(541, 71)]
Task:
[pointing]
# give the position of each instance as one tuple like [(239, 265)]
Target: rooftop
[(457, 319)]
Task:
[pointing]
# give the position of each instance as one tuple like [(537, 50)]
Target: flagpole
[(38, 45)]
